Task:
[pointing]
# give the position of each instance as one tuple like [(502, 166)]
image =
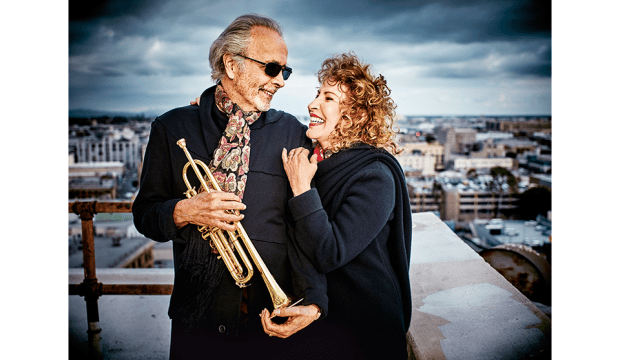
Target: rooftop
[(462, 308)]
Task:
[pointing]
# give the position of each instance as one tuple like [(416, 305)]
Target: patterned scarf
[(231, 159), (229, 166)]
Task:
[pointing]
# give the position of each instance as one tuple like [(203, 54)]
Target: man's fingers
[(219, 200), (286, 312), (293, 311), (224, 196), (226, 226), (299, 317)]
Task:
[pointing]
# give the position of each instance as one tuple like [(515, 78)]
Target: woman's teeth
[(316, 120)]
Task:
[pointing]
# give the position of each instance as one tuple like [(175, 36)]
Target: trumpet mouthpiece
[(181, 143)]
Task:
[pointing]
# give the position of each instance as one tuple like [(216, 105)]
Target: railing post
[(90, 287)]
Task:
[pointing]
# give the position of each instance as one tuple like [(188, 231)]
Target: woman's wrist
[(300, 190)]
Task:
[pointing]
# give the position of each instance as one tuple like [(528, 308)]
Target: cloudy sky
[(446, 57)]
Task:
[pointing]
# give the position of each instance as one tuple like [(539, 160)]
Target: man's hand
[(298, 318), (209, 209)]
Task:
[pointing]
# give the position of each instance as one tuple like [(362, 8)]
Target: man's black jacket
[(267, 218)]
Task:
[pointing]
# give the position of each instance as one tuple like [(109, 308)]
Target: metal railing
[(90, 288)]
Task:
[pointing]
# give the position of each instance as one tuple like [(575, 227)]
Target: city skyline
[(440, 58)]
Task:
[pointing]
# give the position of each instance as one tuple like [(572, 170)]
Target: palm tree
[(502, 176)]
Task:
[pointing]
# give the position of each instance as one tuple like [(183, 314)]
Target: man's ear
[(231, 66)]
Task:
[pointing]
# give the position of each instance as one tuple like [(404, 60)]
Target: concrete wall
[(464, 309)]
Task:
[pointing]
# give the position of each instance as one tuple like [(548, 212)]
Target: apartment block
[(465, 206), (465, 163)]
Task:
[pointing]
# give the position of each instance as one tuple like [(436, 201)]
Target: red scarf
[(318, 151)]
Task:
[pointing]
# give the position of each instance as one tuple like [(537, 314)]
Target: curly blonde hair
[(368, 112)]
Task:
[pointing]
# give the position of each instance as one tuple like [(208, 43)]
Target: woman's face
[(325, 112)]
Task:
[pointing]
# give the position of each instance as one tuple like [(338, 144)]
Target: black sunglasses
[(273, 68)]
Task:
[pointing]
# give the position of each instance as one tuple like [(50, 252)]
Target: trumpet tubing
[(226, 242)]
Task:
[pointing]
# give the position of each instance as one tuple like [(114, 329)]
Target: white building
[(112, 145), (464, 163), (423, 163)]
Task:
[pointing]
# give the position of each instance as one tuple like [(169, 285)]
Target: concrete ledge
[(132, 327), (463, 308)]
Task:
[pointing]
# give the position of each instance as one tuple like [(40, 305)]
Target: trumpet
[(226, 242)]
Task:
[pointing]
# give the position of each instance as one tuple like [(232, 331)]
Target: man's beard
[(251, 92)]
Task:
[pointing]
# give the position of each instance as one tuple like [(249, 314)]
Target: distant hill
[(89, 113)]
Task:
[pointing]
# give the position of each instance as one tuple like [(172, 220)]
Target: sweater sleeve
[(330, 243), (153, 207), (307, 281)]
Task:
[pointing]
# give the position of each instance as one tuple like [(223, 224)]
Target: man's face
[(255, 89)]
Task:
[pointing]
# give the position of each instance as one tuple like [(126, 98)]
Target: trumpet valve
[(191, 192)]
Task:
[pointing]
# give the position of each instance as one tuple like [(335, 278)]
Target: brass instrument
[(225, 242)]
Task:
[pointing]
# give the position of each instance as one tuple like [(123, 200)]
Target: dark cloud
[(91, 10), (423, 21), (125, 46), (491, 60), (124, 17)]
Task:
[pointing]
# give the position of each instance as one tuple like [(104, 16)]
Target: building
[(107, 144), (520, 127), (518, 146), (467, 205), (417, 165), (96, 169), (538, 163), (465, 164), (540, 180), (425, 202), (423, 148), (456, 140), (96, 155), (95, 180), (494, 135), (488, 149)]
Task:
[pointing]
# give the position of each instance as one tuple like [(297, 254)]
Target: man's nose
[(279, 80)]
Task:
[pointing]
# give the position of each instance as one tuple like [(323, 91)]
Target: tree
[(533, 202), (499, 172), (502, 176)]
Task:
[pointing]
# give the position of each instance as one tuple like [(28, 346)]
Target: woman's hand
[(298, 318), (299, 169), (195, 102)]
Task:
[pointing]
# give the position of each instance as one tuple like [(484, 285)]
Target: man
[(209, 312)]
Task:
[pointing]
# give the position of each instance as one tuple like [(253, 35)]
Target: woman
[(355, 224)]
